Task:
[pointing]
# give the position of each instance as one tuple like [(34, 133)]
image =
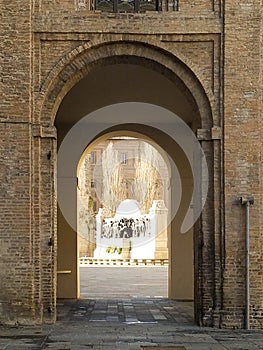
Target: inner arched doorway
[(123, 194), (120, 176), (135, 81), (180, 246)]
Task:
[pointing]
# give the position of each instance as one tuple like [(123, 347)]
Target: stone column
[(160, 213), (44, 217), (126, 248)]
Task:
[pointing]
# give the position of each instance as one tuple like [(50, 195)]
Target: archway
[(122, 233), (175, 82), (119, 169)]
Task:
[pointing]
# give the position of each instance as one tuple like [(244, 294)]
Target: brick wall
[(242, 107), (16, 272), (46, 48)]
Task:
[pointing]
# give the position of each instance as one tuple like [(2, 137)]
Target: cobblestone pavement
[(127, 311), (127, 324), (107, 322)]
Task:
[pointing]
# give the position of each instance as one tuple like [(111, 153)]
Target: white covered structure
[(130, 234)]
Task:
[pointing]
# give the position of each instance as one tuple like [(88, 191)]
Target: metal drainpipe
[(247, 201)]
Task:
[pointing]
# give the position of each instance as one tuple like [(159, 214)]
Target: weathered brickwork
[(242, 106), (211, 51)]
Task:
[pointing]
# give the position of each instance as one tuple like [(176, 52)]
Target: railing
[(127, 5), (87, 261), (139, 6)]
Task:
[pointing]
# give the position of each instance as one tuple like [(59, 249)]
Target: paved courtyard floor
[(123, 282), (127, 323)]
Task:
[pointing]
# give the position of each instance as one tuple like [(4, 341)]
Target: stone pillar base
[(126, 249)]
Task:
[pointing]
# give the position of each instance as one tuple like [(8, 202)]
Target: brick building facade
[(200, 59)]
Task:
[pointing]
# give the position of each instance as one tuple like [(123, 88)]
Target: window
[(95, 206), (127, 5), (93, 157), (93, 184), (123, 158)]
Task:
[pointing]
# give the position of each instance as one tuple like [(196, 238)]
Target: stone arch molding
[(81, 60)]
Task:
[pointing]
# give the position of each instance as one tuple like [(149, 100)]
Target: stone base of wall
[(20, 314), (232, 319)]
